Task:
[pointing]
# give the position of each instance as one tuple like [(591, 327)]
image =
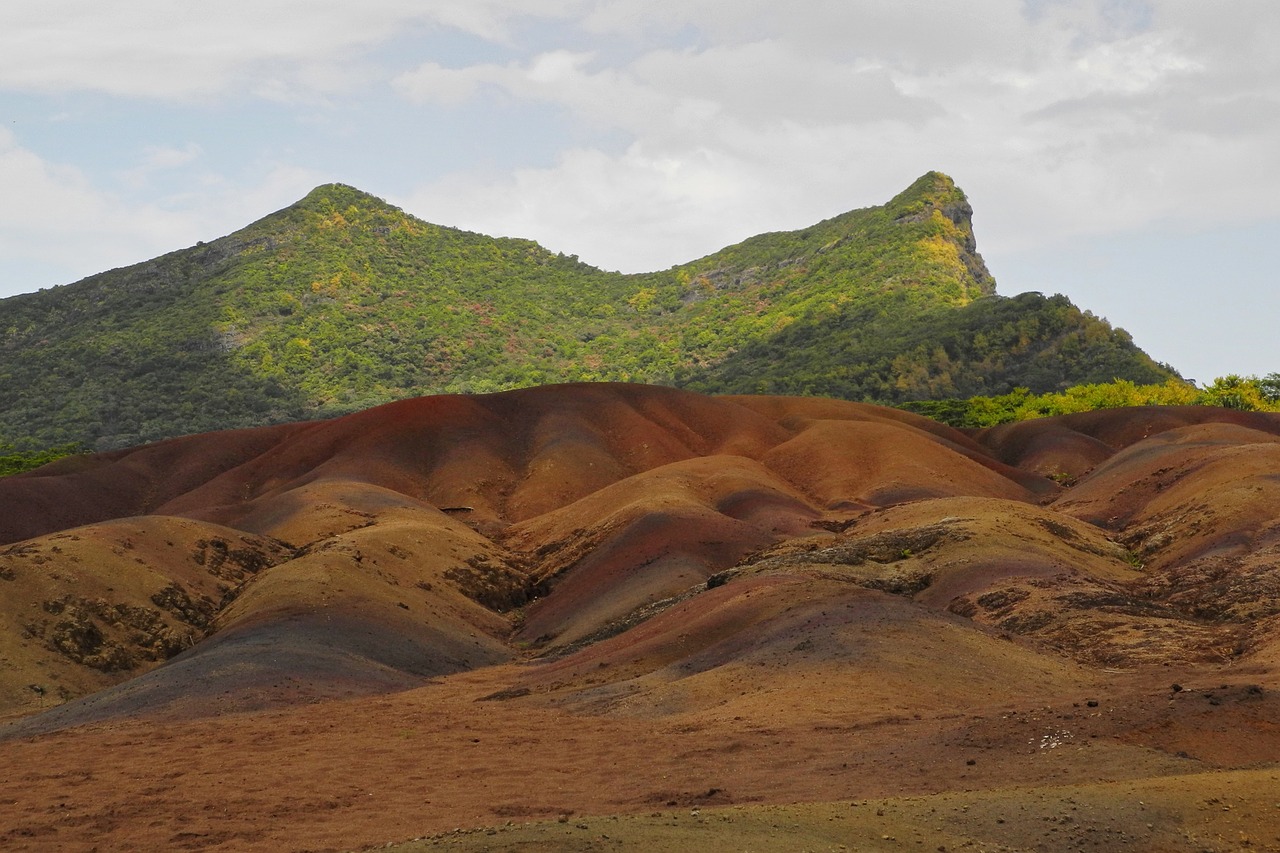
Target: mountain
[(342, 301), (556, 604)]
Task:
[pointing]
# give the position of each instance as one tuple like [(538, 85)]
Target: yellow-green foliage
[(1247, 393), (15, 462)]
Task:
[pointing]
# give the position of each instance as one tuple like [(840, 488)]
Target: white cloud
[(432, 82), (54, 193), (921, 34), (161, 157), (764, 82), (165, 50), (621, 211), (57, 219), (692, 123), (1079, 118), (51, 207), (158, 159), (1134, 65), (558, 77)]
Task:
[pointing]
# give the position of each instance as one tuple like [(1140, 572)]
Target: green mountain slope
[(342, 301)]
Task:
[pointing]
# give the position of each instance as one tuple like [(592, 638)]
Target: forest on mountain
[(341, 302)]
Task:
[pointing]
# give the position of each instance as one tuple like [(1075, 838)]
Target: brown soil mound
[(621, 600), (100, 604), (1073, 444)]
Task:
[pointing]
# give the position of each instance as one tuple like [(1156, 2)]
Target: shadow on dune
[(280, 661)]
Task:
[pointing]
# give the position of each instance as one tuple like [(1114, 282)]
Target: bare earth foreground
[(601, 617)]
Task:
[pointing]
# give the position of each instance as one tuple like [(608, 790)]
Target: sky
[(1125, 153)]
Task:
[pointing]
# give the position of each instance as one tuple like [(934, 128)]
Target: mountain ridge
[(342, 301)]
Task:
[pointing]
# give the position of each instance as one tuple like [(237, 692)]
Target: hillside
[(608, 616), (341, 301)]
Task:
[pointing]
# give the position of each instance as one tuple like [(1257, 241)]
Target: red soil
[(458, 611)]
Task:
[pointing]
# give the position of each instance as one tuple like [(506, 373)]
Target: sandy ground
[(1207, 812), (361, 773)]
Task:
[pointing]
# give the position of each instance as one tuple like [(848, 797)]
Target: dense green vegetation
[(341, 301), (889, 350), (15, 462), (1246, 393)]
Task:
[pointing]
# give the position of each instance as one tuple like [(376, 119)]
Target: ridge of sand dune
[(85, 489), (508, 456), (1074, 444), (650, 537), (610, 599)]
